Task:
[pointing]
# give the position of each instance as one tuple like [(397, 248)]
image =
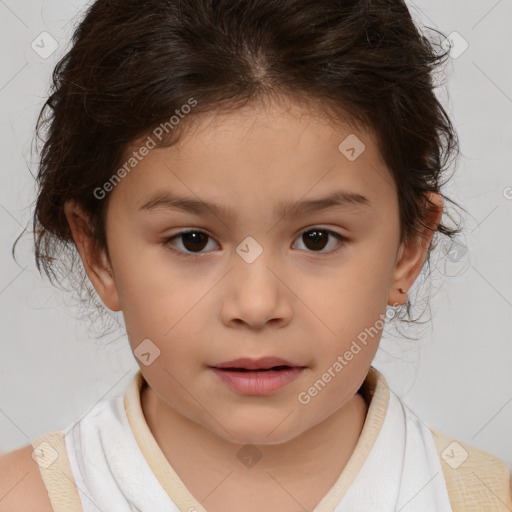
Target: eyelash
[(167, 241)]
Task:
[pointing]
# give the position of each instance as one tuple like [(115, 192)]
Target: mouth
[(263, 376), (245, 370), (263, 364)]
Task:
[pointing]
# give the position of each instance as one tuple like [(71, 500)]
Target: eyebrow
[(339, 199)]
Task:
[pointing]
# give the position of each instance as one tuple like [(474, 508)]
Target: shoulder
[(21, 483), (476, 480), (38, 477)]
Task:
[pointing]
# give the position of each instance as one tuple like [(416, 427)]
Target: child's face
[(308, 302)]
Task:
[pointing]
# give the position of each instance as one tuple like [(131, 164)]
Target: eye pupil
[(318, 238), (199, 240)]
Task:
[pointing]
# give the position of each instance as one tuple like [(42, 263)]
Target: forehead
[(262, 154)]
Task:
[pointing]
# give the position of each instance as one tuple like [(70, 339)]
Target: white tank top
[(118, 467)]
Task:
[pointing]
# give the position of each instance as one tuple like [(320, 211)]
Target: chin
[(264, 431)]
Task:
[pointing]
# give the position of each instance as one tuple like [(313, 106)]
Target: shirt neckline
[(374, 390)]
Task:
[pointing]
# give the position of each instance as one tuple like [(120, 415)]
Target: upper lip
[(255, 364)]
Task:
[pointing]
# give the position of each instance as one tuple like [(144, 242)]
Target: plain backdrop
[(457, 377)]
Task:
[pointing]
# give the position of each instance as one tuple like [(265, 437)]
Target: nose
[(256, 295)]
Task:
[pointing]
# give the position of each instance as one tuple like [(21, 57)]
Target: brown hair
[(134, 63)]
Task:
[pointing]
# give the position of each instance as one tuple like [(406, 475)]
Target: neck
[(324, 449)]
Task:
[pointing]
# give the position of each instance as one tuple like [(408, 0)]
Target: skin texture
[(299, 303)]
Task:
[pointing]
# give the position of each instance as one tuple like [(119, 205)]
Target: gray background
[(457, 377)]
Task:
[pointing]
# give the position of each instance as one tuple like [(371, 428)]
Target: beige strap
[(51, 455), (476, 480)]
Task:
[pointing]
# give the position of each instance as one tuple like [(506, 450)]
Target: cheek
[(150, 286), (351, 297), (163, 305), (349, 309), (329, 388)]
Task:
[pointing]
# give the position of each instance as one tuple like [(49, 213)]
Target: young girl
[(300, 147)]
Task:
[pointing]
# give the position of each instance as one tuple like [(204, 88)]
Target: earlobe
[(412, 253), (94, 260)]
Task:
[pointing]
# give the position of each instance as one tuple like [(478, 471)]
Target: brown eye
[(191, 241), (317, 239), (194, 240)]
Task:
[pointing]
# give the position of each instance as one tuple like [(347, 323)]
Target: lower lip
[(258, 383)]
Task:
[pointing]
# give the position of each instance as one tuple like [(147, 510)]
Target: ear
[(411, 254), (95, 261)]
